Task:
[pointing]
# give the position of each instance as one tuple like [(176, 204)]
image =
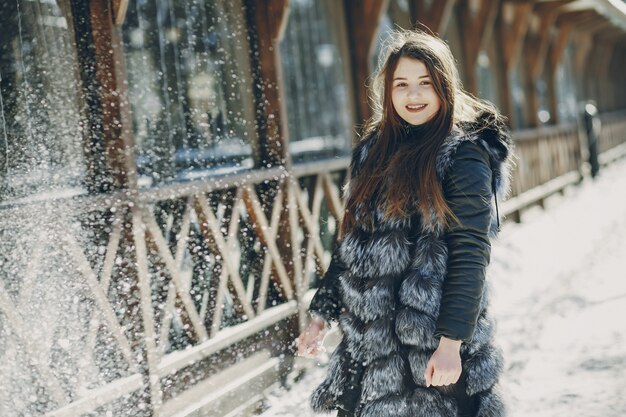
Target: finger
[(316, 351), (302, 345), (428, 374), (441, 380), (456, 378), (437, 379)]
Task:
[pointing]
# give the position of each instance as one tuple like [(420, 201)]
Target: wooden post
[(554, 58), (269, 19), (110, 74), (581, 56), (597, 57), (602, 81), (363, 20), (399, 15), (109, 150), (476, 26), (582, 41), (434, 14), (535, 50), (610, 38), (119, 11), (511, 26), (615, 75), (618, 70)]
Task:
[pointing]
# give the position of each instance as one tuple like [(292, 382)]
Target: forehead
[(410, 67)]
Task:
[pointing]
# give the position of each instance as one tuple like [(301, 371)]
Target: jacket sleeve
[(326, 302), (467, 189)]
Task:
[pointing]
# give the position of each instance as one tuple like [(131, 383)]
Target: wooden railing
[(131, 302), (547, 159), (174, 278), (612, 132)]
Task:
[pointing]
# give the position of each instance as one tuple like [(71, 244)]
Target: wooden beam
[(535, 51), (614, 75), (575, 17), (559, 44), (513, 31), (599, 57), (363, 20), (111, 74), (549, 7), (476, 27), (581, 53), (542, 42), (620, 89), (108, 134), (511, 27), (270, 20), (119, 11), (580, 5), (435, 15), (609, 34), (595, 25), (554, 58), (608, 40), (399, 15)]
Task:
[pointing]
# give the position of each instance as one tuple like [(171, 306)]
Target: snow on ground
[(558, 292)]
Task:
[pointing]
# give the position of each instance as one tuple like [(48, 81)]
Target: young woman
[(407, 280)]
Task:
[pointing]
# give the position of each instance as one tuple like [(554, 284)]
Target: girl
[(407, 280)]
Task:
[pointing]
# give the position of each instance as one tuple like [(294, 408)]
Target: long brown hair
[(400, 169)]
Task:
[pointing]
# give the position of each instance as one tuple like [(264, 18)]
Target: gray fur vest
[(392, 359)]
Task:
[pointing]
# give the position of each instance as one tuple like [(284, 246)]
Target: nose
[(414, 92)]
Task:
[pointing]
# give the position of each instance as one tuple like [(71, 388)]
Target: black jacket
[(467, 191)]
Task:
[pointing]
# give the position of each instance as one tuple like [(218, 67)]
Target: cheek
[(436, 102), (397, 103)]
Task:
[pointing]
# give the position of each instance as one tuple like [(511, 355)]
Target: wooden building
[(171, 173)]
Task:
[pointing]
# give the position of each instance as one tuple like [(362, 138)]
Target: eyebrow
[(404, 78)]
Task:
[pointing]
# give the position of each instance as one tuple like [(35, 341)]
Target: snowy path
[(559, 288)]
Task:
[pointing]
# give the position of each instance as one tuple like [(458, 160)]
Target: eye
[(401, 84), (426, 82)]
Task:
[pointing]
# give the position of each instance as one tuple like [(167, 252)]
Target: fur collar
[(487, 131)]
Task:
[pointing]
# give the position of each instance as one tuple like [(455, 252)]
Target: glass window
[(41, 146), (565, 79), (190, 88), (517, 95), (486, 74), (541, 89), (317, 94)]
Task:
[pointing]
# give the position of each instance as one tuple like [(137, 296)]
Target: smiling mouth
[(416, 108)]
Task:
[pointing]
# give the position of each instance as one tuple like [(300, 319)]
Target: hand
[(444, 366), (310, 340)]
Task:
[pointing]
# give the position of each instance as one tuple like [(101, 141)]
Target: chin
[(416, 122), (419, 121)]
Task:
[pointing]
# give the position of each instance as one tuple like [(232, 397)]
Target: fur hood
[(390, 289)]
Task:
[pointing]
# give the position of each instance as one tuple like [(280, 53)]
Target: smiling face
[(412, 92)]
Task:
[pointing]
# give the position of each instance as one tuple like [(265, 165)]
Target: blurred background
[(171, 177)]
